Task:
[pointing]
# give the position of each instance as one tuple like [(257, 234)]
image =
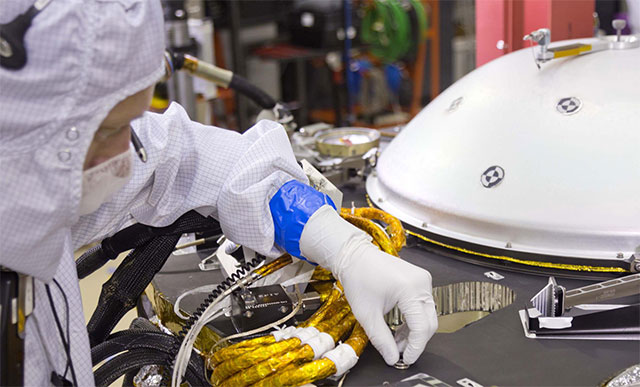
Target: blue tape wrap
[(291, 207)]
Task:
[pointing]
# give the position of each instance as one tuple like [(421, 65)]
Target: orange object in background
[(507, 21)]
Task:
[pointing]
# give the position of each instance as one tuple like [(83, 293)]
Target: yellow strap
[(570, 50), (551, 265)]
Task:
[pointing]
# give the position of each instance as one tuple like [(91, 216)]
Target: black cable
[(257, 95), (135, 339), (134, 360), (153, 246), (138, 235), (65, 343), (66, 303)]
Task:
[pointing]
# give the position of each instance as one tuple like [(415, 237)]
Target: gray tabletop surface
[(491, 351)]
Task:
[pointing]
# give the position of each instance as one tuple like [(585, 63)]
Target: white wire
[(201, 289), (187, 344), (184, 354), (268, 326)]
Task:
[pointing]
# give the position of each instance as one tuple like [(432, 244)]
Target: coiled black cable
[(134, 339), (221, 288), (134, 360)]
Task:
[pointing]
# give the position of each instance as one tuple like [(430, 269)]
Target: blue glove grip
[(291, 207)]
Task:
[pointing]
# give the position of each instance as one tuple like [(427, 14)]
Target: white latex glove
[(374, 282)]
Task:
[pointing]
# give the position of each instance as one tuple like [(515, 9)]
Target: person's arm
[(252, 184), (308, 226), (192, 166)]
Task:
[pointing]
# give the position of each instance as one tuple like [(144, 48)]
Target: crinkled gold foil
[(246, 360), (274, 265), (306, 373), (269, 366), (320, 313), (164, 309), (266, 363), (298, 356), (323, 288), (378, 235), (552, 265), (358, 339), (340, 329), (321, 274), (394, 226), (334, 317), (220, 356)]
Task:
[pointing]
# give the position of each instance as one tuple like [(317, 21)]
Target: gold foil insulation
[(394, 226), (358, 339), (322, 274), (274, 265), (164, 309), (305, 373), (264, 362), (268, 367), (238, 349), (336, 293), (246, 360), (379, 236), (551, 265), (335, 328)]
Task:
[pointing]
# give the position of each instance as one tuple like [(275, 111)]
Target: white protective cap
[(344, 357)]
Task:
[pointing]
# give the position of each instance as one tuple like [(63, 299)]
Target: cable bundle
[(207, 312), (303, 354)]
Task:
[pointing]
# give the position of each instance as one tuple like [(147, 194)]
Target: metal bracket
[(553, 299)]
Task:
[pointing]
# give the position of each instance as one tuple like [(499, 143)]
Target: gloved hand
[(374, 282)]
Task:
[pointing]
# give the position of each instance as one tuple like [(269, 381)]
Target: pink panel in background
[(489, 29), (510, 20)]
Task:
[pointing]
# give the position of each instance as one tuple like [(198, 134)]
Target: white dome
[(566, 139)]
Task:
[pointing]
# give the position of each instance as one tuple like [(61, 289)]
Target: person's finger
[(401, 336), (421, 319), (381, 337)]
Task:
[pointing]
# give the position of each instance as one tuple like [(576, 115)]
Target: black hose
[(142, 323), (128, 380), (134, 360), (137, 235), (91, 260), (257, 95), (120, 293), (153, 245), (133, 339)]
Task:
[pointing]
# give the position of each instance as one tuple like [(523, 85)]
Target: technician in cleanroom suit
[(68, 177)]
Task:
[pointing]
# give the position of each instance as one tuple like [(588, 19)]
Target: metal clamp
[(553, 300)]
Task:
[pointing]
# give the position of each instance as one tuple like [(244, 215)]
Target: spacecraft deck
[(491, 351)]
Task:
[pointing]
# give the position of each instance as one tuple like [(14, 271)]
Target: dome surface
[(537, 161)]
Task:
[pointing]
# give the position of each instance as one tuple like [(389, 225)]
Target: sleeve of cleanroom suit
[(218, 172)]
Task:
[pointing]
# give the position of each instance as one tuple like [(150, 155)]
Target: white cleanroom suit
[(84, 57)]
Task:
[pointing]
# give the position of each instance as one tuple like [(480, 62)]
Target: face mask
[(101, 182)]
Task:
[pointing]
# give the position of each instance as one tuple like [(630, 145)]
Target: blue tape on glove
[(291, 207)]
